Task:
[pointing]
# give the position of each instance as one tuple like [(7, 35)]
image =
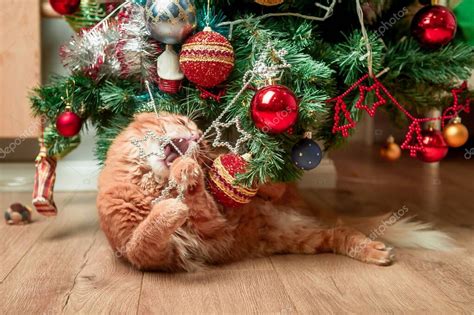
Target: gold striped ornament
[(222, 176), (207, 58)]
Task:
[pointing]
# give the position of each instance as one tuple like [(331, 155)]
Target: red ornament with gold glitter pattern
[(222, 177), (207, 58)]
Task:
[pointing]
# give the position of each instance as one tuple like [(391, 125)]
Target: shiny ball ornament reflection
[(435, 147), (455, 133), (274, 109), (434, 26), (68, 124), (170, 21)]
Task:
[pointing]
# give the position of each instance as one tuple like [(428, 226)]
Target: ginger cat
[(174, 235)]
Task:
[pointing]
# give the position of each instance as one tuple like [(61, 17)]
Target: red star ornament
[(363, 91)]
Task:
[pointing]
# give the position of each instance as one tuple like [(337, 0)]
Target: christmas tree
[(218, 61)]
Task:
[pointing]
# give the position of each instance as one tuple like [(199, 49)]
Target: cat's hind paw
[(379, 254)]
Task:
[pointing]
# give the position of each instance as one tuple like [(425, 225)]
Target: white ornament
[(168, 70)]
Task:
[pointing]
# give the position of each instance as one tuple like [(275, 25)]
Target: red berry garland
[(222, 177), (207, 58)]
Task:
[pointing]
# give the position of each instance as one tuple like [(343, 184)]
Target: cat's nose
[(194, 136)]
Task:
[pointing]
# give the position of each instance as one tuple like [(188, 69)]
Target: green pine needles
[(319, 70)]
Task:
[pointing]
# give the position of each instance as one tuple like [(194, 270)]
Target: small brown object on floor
[(18, 214)]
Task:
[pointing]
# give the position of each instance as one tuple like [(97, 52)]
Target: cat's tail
[(401, 231)]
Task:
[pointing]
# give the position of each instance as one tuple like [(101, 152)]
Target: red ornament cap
[(274, 109), (65, 7), (169, 86)]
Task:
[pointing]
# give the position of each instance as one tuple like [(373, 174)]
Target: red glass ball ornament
[(274, 109), (435, 147), (65, 7), (68, 124), (222, 181), (207, 58), (433, 26)]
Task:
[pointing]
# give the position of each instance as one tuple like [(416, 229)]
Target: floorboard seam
[(26, 252), (334, 282), (455, 303), (140, 293), (283, 284), (84, 264)]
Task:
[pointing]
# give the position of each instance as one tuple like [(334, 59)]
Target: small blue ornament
[(306, 154)]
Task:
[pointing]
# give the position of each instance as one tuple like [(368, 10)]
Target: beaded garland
[(221, 181), (207, 58), (414, 138), (240, 195)]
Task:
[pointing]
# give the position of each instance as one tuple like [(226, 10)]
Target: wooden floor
[(64, 265)]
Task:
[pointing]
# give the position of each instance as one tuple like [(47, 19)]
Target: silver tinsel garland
[(137, 50), (120, 48)]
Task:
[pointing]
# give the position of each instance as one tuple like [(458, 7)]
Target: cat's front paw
[(170, 211), (187, 173)]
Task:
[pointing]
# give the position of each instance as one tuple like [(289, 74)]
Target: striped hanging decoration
[(45, 176)]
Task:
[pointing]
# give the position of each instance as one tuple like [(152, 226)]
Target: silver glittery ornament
[(170, 21)]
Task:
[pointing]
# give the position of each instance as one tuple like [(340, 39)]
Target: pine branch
[(351, 56), (450, 63), (57, 145)]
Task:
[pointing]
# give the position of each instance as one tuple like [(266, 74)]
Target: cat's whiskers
[(192, 115)]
